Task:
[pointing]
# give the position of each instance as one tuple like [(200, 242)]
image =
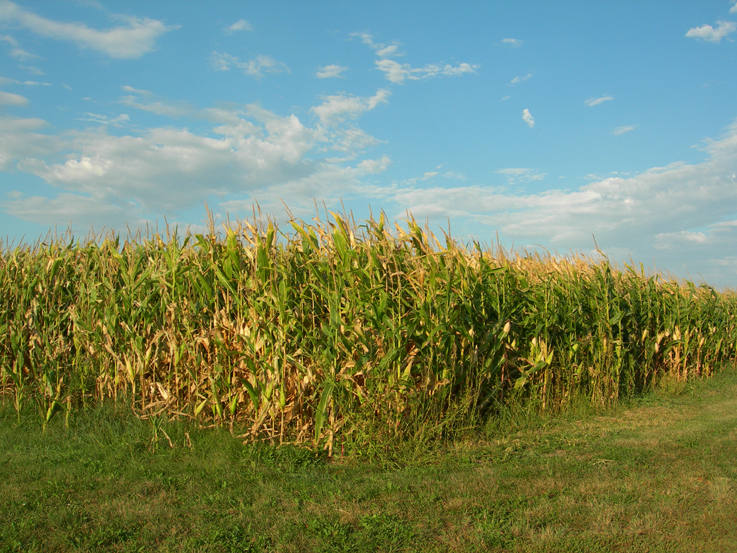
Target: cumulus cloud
[(520, 78), (147, 169), (330, 71), (512, 42), (710, 34), (135, 36), (338, 108), (623, 129), (398, 73), (240, 25), (254, 68), (527, 118), (596, 101), (249, 153)]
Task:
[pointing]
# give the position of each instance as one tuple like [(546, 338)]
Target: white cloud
[(15, 50), (32, 69), (105, 120), (520, 175), (330, 71), (374, 166), (254, 155), (254, 68), (387, 51), (19, 139), (682, 215), (336, 109), (505, 98), (596, 101), (512, 42), (5, 80), (527, 118), (382, 50), (144, 100), (520, 78), (147, 169), (623, 129), (669, 240), (733, 9), (240, 25), (8, 99), (398, 73), (710, 34), (454, 175), (134, 38)]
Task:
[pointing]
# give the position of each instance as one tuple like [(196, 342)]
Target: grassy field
[(656, 473)]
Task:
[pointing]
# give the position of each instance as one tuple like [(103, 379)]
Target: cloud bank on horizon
[(116, 119)]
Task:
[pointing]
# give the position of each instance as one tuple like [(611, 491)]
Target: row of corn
[(302, 336)]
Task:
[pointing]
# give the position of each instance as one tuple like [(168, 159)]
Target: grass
[(654, 474)]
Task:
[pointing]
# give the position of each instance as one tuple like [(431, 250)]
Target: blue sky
[(543, 123)]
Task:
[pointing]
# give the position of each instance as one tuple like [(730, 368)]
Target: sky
[(563, 126)]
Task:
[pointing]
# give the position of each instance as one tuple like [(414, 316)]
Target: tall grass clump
[(339, 333)]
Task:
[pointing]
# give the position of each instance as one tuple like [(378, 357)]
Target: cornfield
[(333, 328)]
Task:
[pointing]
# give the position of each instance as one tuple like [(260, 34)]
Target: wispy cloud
[(254, 68), (15, 50), (520, 78), (146, 101), (527, 118), (336, 109), (117, 121), (382, 50), (398, 73), (31, 69), (596, 101), (623, 129), (733, 9), (512, 42), (5, 80), (330, 71), (240, 25), (135, 37), (520, 175), (710, 34)]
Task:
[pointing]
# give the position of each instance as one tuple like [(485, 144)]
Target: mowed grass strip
[(655, 474)]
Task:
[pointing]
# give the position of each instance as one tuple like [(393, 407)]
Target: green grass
[(655, 474)]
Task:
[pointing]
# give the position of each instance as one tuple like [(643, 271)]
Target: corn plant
[(337, 330)]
